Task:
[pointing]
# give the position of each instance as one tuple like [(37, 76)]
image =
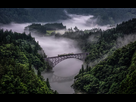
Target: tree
[(39, 72), (76, 29), (82, 70), (30, 65), (55, 92), (87, 68), (48, 84)]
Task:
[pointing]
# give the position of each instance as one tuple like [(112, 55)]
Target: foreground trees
[(19, 60)]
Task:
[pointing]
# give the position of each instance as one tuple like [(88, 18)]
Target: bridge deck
[(57, 59), (66, 55)]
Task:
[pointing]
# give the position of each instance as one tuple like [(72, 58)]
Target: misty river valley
[(53, 47), (67, 51)]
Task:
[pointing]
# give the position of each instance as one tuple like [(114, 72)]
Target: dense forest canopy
[(104, 15), (21, 65), (45, 28), (116, 73)]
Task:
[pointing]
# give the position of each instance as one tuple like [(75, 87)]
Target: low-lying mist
[(82, 22), (93, 38), (15, 27), (122, 41), (54, 46), (51, 45)]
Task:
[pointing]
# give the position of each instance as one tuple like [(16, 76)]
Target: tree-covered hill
[(104, 15), (115, 74), (107, 15), (43, 29), (21, 65), (18, 15)]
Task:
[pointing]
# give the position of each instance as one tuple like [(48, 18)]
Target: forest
[(114, 74), (21, 65), (110, 66), (104, 15), (45, 28)]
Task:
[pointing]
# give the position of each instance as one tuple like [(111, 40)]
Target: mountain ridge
[(104, 15)]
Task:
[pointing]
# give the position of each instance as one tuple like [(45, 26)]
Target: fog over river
[(53, 47), (66, 68)]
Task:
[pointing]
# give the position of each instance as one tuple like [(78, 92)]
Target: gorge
[(108, 67)]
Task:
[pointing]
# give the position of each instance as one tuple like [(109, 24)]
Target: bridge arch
[(53, 61)]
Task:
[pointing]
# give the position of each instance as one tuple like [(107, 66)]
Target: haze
[(82, 22), (53, 46)]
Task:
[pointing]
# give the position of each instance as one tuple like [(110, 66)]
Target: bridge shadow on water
[(56, 78)]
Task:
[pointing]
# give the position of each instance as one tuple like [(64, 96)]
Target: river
[(66, 68)]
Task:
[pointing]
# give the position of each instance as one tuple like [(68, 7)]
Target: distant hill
[(18, 15), (45, 28), (104, 15)]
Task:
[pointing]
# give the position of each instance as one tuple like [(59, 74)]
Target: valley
[(108, 69)]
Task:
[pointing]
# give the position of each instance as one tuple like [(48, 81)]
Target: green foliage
[(17, 79), (114, 75), (128, 86), (104, 15), (48, 84), (17, 56), (15, 15), (45, 29)]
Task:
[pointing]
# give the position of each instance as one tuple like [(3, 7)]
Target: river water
[(66, 68)]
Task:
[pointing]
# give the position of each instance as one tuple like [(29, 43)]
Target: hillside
[(44, 29), (115, 74), (21, 65), (104, 15), (18, 15), (110, 65)]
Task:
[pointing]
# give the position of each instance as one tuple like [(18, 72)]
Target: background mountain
[(104, 15)]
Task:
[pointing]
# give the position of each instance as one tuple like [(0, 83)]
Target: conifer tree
[(82, 68), (47, 82), (39, 73)]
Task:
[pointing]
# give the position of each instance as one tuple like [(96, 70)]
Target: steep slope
[(21, 65), (18, 15), (103, 15), (111, 75), (116, 74)]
